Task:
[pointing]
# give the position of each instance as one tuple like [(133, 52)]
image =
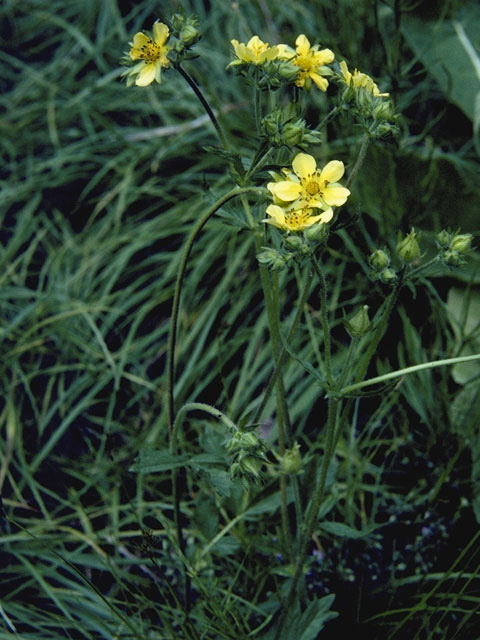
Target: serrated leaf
[(221, 481), (157, 461), (344, 531)]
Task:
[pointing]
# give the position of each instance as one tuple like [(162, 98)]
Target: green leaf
[(344, 531), (449, 51), (463, 307), (221, 481), (308, 625), (157, 461)]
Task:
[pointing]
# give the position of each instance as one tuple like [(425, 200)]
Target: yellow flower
[(152, 53), (254, 52), (295, 219), (310, 61), (309, 187), (360, 80)]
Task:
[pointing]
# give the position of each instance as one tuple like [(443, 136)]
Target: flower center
[(150, 51), (312, 188), (296, 218), (304, 62)]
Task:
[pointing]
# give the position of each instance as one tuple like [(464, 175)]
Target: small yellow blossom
[(310, 60), (360, 81), (152, 53), (308, 187), (295, 219), (254, 52)]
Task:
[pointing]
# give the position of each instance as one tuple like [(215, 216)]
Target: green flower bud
[(383, 109), (189, 35), (408, 248), (317, 233), (443, 238), (272, 259), (359, 324), (251, 465), (387, 275), (287, 71), (461, 242), (291, 461), (365, 101), (293, 133), (452, 258), (379, 260), (294, 242)]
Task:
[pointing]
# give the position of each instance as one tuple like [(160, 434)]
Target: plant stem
[(324, 318), (403, 372), (216, 413), (378, 335), (312, 513), (197, 91), (178, 287), (284, 353), (272, 306), (360, 158)]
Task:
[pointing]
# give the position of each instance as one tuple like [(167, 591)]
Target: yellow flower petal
[(285, 190), (335, 195), (302, 45), (304, 165), (320, 82), (146, 75), (277, 214), (326, 216), (332, 171), (160, 33)]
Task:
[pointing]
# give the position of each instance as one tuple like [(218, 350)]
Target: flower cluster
[(304, 64), (305, 195)]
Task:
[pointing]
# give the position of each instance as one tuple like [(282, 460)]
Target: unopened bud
[(444, 238), (408, 248), (383, 109), (461, 242), (272, 259), (189, 34), (291, 461), (387, 275), (294, 242), (317, 233), (359, 324), (379, 260)]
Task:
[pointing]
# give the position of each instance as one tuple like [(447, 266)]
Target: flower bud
[(293, 133), (294, 242), (317, 233), (189, 35), (359, 324), (291, 461), (452, 258), (461, 242), (287, 71), (408, 248), (443, 238), (383, 110), (379, 260), (387, 275), (272, 259)]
